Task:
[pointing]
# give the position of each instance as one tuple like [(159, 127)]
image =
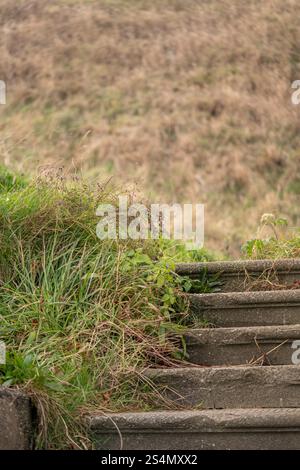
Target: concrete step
[(236, 429), (237, 276), (18, 420), (235, 309), (274, 345), (230, 387)]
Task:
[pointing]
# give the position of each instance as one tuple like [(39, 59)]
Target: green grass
[(81, 318), (282, 242)]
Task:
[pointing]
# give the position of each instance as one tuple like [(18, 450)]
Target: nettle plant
[(160, 272)]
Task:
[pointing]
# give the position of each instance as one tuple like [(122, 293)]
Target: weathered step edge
[(239, 275), (248, 308), (236, 346), (198, 430), (18, 420), (230, 387)]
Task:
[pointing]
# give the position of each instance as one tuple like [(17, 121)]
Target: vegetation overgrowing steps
[(81, 317), (237, 403)]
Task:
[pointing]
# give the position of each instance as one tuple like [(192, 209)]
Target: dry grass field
[(189, 99)]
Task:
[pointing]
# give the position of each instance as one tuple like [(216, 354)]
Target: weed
[(276, 245)]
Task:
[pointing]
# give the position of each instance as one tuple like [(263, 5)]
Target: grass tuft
[(81, 318)]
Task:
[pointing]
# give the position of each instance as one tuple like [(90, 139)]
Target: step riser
[(236, 387), (244, 275), (238, 354), (237, 346), (198, 430), (277, 439), (240, 282), (252, 281), (247, 308), (247, 316)]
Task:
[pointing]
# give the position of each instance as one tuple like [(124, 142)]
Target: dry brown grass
[(190, 98)]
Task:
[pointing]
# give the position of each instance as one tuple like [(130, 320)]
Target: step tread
[(224, 299), (244, 334), (281, 371), (193, 419), (239, 266)]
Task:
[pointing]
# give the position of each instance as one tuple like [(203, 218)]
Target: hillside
[(190, 99)]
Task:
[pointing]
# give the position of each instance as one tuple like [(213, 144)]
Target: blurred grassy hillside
[(191, 99)]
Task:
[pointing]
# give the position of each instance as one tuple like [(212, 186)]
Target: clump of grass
[(81, 317), (281, 243)]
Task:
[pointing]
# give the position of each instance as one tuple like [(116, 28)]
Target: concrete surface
[(239, 275), (199, 430), (236, 346), (236, 309), (230, 387), (17, 420)]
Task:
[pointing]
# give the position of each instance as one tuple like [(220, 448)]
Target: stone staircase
[(242, 389)]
